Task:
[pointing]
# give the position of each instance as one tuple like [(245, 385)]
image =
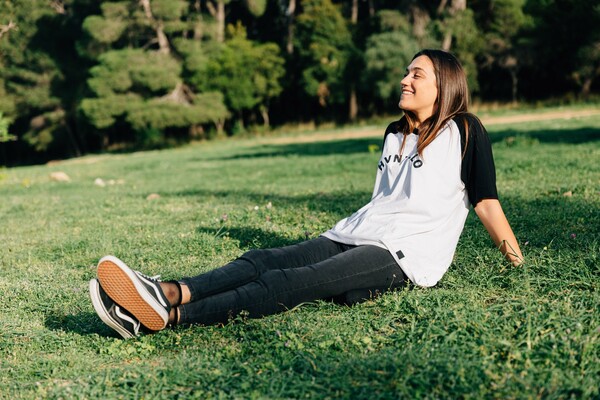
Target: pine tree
[(138, 78), (247, 74), (33, 94)]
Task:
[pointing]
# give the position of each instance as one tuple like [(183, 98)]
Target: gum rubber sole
[(119, 282)]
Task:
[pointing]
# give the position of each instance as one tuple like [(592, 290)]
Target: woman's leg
[(155, 303), (276, 290), (252, 264)]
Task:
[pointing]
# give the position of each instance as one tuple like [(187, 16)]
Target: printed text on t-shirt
[(396, 158)]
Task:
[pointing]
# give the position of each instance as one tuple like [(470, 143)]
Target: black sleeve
[(394, 127), (477, 169)]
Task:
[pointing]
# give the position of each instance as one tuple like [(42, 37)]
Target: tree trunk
[(456, 7), (420, 20), (161, 38), (220, 21), (198, 33), (264, 112), (354, 16), (371, 8), (447, 42), (586, 88), (71, 136), (220, 125), (459, 5), (353, 109), (290, 14), (4, 29), (241, 125), (515, 84), (441, 7), (163, 42)]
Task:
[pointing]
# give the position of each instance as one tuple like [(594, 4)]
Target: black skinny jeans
[(268, 281)]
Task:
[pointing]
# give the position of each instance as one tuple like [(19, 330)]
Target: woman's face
[(419, 88)]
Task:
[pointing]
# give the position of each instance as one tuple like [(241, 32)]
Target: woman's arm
[(491, 215)]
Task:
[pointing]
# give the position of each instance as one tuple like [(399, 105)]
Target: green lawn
[(486, 331)]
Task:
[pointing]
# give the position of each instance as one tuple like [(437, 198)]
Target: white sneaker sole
[(123, 286), (103, 312)]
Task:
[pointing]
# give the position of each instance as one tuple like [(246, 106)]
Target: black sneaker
[(111, 314), (139, 294)]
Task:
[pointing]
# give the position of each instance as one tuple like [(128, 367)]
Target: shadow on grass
[(568, 136), (567, 222), (85, 323), (547, 217), (337, 203), (352, 146), (365, 145), (255, 237)]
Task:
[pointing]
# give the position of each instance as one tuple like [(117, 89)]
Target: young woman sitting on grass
[(436, 162)]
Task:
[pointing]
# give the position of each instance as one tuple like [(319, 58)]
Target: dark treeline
[(81, 76)]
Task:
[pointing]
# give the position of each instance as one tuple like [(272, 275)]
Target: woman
[(436, 162)]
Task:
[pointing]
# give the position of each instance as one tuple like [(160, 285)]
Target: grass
[(486, 331)]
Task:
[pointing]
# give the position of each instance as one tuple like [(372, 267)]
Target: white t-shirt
[(420, 204)]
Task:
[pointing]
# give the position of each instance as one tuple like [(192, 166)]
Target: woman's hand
[(492, 216)]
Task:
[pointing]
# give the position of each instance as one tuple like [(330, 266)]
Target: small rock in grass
[(153, 196), (59, 176), (568, 194), (99, 182)]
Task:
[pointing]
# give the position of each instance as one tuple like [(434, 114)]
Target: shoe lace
[(155, 278)]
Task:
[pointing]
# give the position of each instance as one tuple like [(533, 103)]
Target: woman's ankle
[(174, 316), (172, 292)]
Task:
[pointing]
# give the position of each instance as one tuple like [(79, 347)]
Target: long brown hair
[(452, 98)]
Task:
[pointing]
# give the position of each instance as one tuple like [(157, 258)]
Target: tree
[(588, 57), (564, 39), (133, 23), (138, 78), (268, 73), (505, 21), (589, 67), (144, 89), (216, 9), (388, 54), (35, 59), (4, 135), (324, 47), (247, 74), (455, 30)]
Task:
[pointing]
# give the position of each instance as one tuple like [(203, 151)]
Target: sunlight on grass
[(487, 331)]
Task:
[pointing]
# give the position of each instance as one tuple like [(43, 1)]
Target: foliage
[(503, 47), (315, 60), (487, 331), (388, 54), (4, 135), (142, 87), (467, 43), (256, 7), (325, 45), (246, 73), (571, 27), (162, 114), (122, 71), (28, 71)]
